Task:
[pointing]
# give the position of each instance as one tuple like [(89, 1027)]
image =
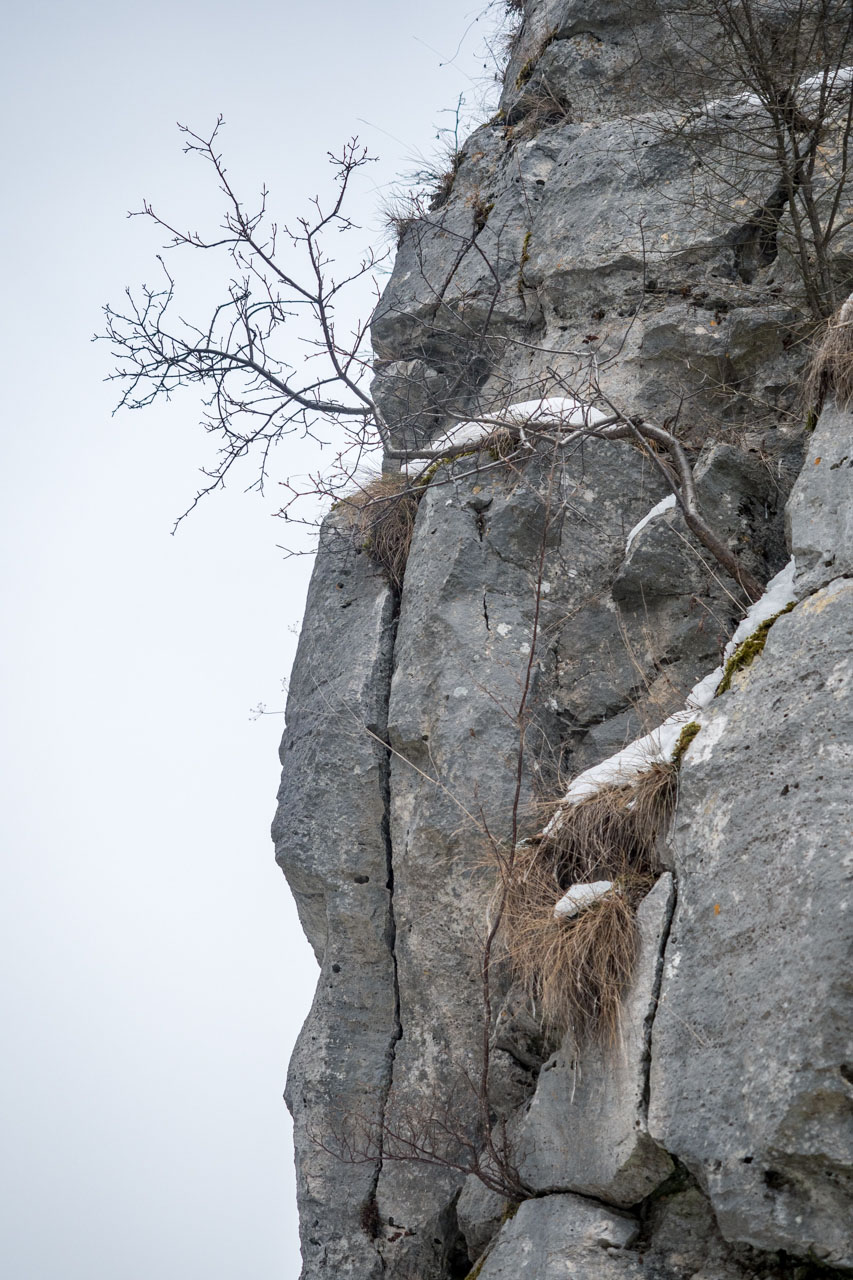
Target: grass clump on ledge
[(830, 371), (381, 515), (577, 968)]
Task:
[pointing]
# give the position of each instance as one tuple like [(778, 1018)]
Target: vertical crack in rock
[(648, 1025), (390, 923)]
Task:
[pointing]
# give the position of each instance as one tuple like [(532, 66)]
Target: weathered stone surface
[(585, 1130), (452, 281), (480, 1214), (756, 1005), (412, 399), (603, 58), (560, 1236), (330, 839), (820, 511), (535, 263), (593, 232), (684, 1241), (461, 660)]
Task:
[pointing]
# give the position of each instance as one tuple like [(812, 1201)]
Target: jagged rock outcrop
[(537, 631), (331, 833)]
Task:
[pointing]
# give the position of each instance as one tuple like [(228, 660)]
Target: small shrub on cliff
[(577, 968), (401, 213), (381, 515)]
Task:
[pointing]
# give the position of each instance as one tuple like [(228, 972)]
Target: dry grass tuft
[(500, 443), (539, 108), (830, 370), (381, 514), (577, 968)]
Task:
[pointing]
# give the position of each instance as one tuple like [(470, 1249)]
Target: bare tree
[(281, 275), (254, 399), (779, 99)]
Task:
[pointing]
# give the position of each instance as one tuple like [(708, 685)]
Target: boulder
[(559, 1236)]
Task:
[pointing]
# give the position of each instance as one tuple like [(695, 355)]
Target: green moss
[(527, 70), (525, 73), (424, 479), (746, 652), (811, 420), (688, 733), (510, 1211), (477, 1268)]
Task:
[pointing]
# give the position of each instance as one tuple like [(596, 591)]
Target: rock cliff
[(586, 246)]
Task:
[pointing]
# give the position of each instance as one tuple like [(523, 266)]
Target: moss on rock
[(688, 733), (748, 650)]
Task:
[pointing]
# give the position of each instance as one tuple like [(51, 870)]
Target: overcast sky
[(153, 973)]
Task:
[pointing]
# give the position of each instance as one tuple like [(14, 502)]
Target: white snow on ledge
[(581, 896), (658, 746), (549, 411), (665, 504)]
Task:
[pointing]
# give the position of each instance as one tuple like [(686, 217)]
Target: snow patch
[(707, 740), (582, 896), (657, 747), (665, 504), (549, 411)]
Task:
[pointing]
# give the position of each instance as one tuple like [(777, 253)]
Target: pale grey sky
[(153, 973)]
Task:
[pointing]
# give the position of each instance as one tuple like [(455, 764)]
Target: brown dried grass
[(501, 443), (539, 108), (578, 968), (381, 514), (830, 370)]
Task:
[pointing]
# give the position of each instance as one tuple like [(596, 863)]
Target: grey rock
[(461, 660), (518, 1032), (480, 1214), (591, 52), (562, 1235), (413, 399), (684, 1240), (454, 292), (820, 512), (329, 839), (756, 1005), (585, 1130)]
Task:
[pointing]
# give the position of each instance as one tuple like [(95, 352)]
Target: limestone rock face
[(581, 248), (756, 1006), (331, 841), (564, 1235), (461, 660), (820, 513)]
